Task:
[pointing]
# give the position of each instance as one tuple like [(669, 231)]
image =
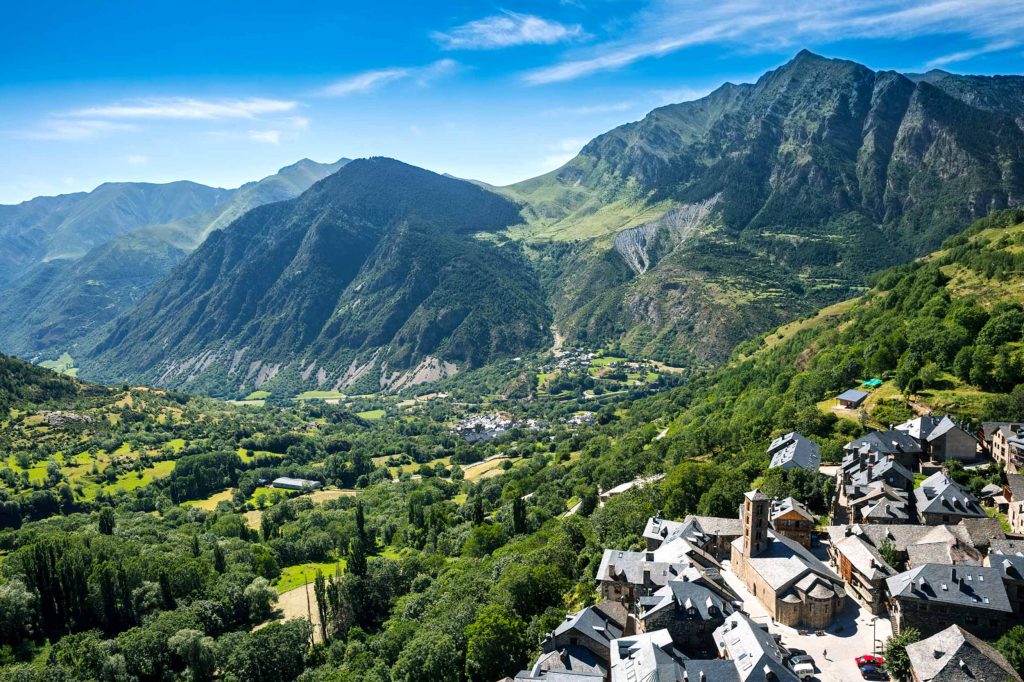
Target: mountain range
[(77, 277), (676, 237)]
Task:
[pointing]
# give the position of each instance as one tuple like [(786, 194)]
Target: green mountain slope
[(817, 174), (56, 305), (22, 383), (947, 330), (67, 226), (382, 273)]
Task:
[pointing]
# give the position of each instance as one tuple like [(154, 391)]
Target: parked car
[(869, 659), (802, 666), (872, 672)]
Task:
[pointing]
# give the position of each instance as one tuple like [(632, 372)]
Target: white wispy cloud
[(507, 30), (671, 25), (188, 108), (591, 109), (562, 151), (136, 160), (268, 136), (76, 129), (964, 55), (376, 78)]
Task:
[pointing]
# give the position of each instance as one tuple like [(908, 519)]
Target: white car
[(802, 665)]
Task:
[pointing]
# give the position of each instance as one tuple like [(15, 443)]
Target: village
[(778, 593)]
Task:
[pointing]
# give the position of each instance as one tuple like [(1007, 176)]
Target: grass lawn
[(371, 415), (243, 454), (258, 395), (303, 574), (270, 494)]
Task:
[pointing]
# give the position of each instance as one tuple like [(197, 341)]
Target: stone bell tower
[(756, 512)]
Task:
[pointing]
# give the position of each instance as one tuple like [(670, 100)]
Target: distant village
[(482, 428), (768, 595)]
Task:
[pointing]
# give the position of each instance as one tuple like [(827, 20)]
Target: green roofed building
[(872, 383)]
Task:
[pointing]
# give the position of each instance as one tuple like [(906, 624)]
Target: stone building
[(934, 596), (690, 612), (792, 584)]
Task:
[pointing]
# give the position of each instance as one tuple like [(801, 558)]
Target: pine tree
[(106, 521), (219, 562)]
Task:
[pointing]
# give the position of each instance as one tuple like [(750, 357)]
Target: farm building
[(286, 483), (851, 399)]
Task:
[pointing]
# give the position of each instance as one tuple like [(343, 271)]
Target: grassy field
[(303, 574), (319, 395), (258, 395), (371, 415), (65, 364), (210, 503)]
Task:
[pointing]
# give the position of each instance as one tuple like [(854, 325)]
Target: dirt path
[(301, 603), (559, 339)]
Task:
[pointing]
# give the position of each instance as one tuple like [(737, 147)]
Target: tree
[(518, 516), (484, 539), (1011, 645), (496, 644), (17, 612), (431, 656), (196, 652), (685, 484), (260, 598), (888, 552), (106, 521), (357, 557), (276, 653), (724, 496), (896, 659), (219, 562)]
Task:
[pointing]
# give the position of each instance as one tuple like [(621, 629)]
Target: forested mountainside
[(457, 573), (382, 273), (67, 226), (52, 307), (763, 201)]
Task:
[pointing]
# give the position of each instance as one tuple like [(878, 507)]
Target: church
[(794, 586)]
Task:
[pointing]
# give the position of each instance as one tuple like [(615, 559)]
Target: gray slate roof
[(782, 507), (955, 655), (752, 650), (686, 595), (978, 587), (852, 395), (939, 494), (794, 451), (889, 442)]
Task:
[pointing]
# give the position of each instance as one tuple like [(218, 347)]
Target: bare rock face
[(639, 245)]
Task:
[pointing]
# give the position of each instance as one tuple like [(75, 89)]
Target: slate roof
[(977, 587), (955, 655), (903, 536), (793, 450), (1007, 546), (628, 567), (592, 624), (1009, 429), (687, 595), (1011, 566), (852, 395), (572, 664), (716, 525), (864, 557), (753, 651), (889, 442), (939, 494), (920, 427), (981, 532), (785, 563), (887, 510), (783, 507), (646, 656), (1015, 482)]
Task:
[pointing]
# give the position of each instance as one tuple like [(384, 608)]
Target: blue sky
[(224, 92)]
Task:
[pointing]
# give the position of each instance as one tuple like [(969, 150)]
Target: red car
[(869, 659)]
